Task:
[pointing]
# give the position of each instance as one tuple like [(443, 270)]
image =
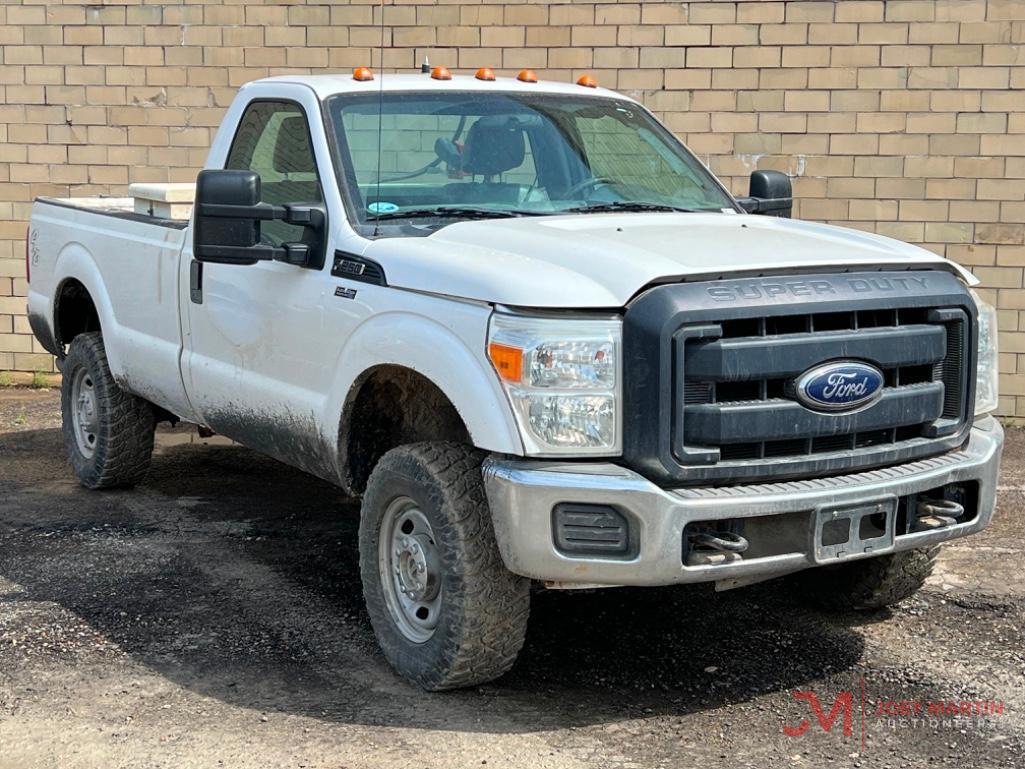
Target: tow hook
[(714, 548), (934, 514)]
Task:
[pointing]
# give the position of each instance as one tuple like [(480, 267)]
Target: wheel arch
[(74, 312), (80, 299), (388, 406), (430, 377)]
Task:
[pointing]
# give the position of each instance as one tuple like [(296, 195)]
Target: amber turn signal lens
[(485, 73), (441, 73), (527, 76), (362, 73), (587, 81), (508, 361)]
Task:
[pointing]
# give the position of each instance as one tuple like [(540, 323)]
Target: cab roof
[(329, 85)]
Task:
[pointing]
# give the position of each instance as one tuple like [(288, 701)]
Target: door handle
[(196, 282)]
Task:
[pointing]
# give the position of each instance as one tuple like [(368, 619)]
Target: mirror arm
[(240, 254), (755, 205), (289, 253), (303, 214), (749, 204), (260, 212), (293, 253)]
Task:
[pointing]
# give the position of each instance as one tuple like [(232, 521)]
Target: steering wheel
[(594, 181)]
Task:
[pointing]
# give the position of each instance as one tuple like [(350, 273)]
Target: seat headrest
[(494, 144), (292, 152)]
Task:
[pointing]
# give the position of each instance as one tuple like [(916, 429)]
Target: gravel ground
[(213, 617)]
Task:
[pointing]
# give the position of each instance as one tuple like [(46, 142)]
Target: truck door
[(256, 363)]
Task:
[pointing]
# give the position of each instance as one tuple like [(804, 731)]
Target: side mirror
[(228, 216), (771, 194), (217, 238)]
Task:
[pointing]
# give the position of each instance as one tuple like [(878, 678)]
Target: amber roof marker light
[(485, 73), (441, 73), (587, 81), (362, 74), (527, 76)]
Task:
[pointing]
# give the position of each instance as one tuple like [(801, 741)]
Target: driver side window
[(273, 139)]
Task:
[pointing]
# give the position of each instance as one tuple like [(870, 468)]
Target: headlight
[(987, 373), (563, 380)]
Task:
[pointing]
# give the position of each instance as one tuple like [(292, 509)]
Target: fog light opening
[(603, 531)]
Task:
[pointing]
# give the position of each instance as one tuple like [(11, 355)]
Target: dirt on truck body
[(213, 617)]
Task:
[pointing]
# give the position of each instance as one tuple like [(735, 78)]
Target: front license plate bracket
[(861, 530)]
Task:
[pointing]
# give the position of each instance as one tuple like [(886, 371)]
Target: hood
[(603, 260)]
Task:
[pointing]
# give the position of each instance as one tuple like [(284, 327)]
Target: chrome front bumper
[(523, 493)]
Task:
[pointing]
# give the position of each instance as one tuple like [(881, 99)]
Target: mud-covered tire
[(869, 584), (121, 445), (482, 613)]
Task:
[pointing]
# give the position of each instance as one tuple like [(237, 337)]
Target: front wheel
[(446, 611), (108, 433)]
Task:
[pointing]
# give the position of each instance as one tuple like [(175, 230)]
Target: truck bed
[(130, 265)]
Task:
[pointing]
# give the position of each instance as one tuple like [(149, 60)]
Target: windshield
[(476, 155)]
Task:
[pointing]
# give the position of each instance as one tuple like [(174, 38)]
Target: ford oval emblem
[(840, 386)]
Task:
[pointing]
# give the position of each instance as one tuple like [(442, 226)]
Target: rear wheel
[(869, 584), (446, 611), (108, 433)]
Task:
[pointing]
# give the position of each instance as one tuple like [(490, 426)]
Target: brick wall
[(904, 117)]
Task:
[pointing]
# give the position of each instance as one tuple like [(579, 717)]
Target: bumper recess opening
[(773, 535), (595, 530)]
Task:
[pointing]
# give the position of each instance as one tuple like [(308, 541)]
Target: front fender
[(453, 362)]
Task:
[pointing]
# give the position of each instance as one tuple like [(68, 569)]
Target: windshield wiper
[(626, 205), (454, 211)]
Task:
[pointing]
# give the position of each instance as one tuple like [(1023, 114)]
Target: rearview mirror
[(771, 194), (228, 217)]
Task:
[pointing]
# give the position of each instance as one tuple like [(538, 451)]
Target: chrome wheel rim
[(410, 567), (85, 413)]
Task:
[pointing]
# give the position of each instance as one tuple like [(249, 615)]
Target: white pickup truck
[(544, 345)]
